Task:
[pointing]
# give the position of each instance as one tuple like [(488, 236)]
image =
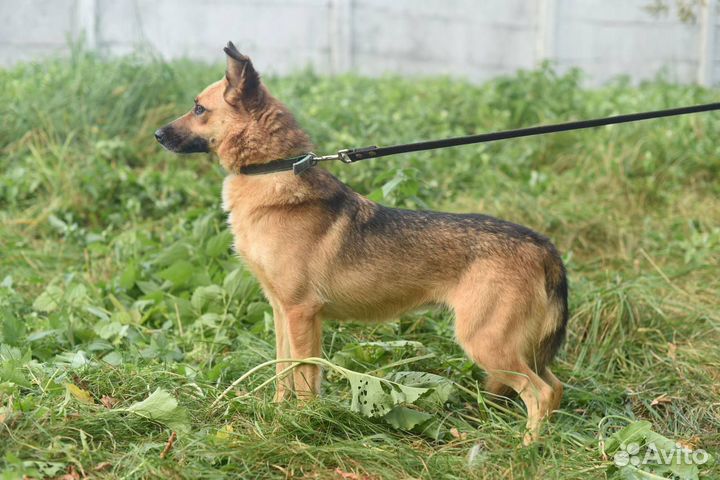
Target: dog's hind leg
[(556, 385), (496, 387), (304, 329), (539, 397), (495, 332)]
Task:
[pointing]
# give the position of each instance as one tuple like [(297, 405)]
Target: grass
[(117, 279)]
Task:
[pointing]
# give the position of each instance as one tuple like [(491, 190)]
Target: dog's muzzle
[(180, 142)]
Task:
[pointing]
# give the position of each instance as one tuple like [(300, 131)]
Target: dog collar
[(297, 164)]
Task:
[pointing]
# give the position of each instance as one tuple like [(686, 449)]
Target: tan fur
[(320, 250)]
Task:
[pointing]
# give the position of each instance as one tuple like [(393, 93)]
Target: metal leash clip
[(345, 155), (310, 160)]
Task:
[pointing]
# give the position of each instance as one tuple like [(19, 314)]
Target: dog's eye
[(199, 110)]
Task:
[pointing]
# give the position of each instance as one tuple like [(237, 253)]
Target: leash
[(350, 155)]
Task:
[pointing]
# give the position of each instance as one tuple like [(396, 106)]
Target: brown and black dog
[(320, 250)]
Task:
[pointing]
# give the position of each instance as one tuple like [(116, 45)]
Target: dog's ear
[(243, 81)]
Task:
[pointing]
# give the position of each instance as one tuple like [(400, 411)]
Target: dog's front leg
[(282, 351), (304, 329)]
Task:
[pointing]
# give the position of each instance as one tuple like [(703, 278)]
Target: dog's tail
[(556, 287)]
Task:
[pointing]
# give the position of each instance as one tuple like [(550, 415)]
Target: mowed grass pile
[(117, 277)]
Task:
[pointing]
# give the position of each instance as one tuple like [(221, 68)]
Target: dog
[(321, 250)]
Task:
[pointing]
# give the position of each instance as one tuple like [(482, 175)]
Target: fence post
[(341, 36), (545, 33), (86, 17), (706, 63)]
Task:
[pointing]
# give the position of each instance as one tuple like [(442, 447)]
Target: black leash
[(303, 162)]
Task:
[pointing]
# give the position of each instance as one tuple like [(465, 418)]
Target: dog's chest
[(242, 229), (259, 240)]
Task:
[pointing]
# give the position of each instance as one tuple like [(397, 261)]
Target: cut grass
[(116, 259)]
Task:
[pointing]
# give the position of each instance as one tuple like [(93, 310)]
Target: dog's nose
[(159, 135)]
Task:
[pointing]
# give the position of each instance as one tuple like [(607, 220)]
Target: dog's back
[(402, 259)]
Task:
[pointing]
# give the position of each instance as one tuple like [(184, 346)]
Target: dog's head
[(236, 118)]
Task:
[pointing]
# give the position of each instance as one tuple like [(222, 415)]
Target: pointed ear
[(243, 80)]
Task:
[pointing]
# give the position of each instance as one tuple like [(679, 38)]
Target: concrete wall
[(477, 39)]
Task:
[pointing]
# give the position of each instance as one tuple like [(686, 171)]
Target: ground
[(125, 314)]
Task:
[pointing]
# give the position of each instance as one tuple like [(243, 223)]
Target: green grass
[(117, 277)]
